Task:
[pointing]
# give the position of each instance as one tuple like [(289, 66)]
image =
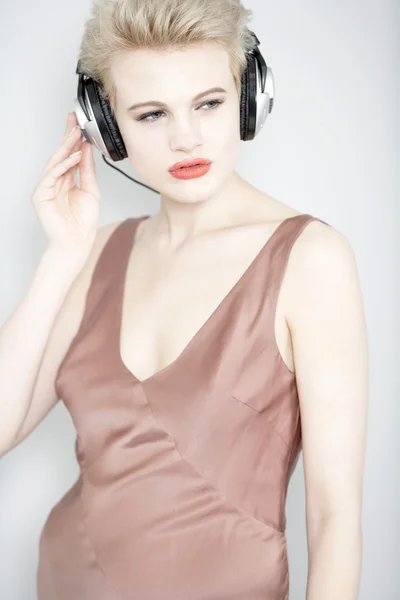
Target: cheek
[(229, 130), (221, 132), (141, 153), (227, 136)]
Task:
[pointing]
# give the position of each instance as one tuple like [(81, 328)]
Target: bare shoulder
[(320, 253), (103, 234), (320, 244)]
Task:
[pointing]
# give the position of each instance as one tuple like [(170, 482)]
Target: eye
[(147, 116), (216, 103)]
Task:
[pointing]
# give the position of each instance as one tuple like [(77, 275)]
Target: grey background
[(330, 148)]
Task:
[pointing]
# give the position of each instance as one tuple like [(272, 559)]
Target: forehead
[(138, 73)]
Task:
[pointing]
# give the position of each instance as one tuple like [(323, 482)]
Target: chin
[(191, 191)]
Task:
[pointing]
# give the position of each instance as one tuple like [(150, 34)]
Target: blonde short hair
[(117, 26)]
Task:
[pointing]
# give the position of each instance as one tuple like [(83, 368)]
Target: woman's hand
[(69, 214)]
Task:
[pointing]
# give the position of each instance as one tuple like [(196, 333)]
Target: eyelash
[(158, 112)]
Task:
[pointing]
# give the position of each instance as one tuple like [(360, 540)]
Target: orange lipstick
[(189, 169)]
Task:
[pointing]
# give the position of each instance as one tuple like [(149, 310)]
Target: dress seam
[(257, 412), (214, 487), (107, 580)]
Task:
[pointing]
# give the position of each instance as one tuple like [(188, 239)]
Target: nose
[(185, 135)]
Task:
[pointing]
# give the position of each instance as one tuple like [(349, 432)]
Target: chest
[(167, 307)]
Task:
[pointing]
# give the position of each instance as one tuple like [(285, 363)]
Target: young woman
[(199, 349)]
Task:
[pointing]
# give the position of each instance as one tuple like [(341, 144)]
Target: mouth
[(189, 163), (191, 172)]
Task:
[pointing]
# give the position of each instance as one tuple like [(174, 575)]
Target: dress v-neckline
[(201, 332)]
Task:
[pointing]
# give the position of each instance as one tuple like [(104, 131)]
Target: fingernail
[(75, 154)]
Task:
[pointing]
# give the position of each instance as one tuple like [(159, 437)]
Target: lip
[(189, 163)]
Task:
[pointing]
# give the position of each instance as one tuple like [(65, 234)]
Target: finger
[(88, 179), (68, 126), (65, 150), (46, 187), (68, 181), (71, 174), (71, 122)]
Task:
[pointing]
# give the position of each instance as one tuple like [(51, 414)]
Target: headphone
[(99, 127)]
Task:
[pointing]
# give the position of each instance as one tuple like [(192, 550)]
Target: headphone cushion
[(244, 104), (112, 126)]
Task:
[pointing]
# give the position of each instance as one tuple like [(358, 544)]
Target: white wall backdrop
[(329, 148)]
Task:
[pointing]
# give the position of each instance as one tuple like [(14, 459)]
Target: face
[(156, 137)]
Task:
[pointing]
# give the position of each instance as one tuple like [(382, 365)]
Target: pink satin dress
[(184, 475)]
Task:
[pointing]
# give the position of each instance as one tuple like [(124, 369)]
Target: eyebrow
[(163, 105)]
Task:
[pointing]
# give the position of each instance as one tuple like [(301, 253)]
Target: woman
[(198, 350)]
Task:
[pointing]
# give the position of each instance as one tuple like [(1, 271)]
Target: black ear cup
[(116, 145), (244, 105), (248, 100)]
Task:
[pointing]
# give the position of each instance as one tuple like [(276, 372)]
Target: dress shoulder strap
[(277, 260), (109, 272)]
